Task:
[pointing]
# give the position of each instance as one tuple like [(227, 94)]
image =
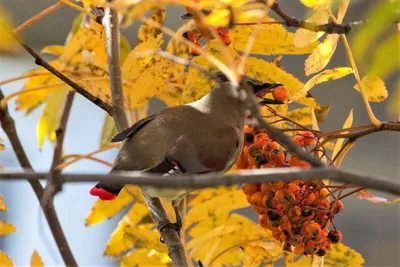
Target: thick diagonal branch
[(8, 125), (82, 91), (157, 212)]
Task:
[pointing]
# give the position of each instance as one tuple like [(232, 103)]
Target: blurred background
[(371, 229)]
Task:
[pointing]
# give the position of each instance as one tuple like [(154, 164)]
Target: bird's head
[(252, 86)]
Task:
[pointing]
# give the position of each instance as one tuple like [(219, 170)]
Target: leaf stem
[(79, 8)]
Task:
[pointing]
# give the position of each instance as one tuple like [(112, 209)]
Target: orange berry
[(309, 138), (310, 247), (276, 234), (298, 249), (337, 206), (242, 162), (294, 212), (299, 140), (304, 164), (313, 229), (253, 150), (309, 199), (277, 156), (269, 147), (323, 192), (307, 214), (263, 220), (193, 51), (256, 198), (294, 161), (248, 129), (266, 188), (335, 236), (270, 164), (292, 187), (280, 194), (258, 210), (248, 197), (249, 189), (295, 240), (272, 202), (321, 252), (260, 139), (252, 161), (275, 186), (280, 93)]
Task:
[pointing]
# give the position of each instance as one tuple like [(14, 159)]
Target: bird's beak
[(261, 90)]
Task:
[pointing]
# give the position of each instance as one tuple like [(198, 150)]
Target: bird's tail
[(106, 191)]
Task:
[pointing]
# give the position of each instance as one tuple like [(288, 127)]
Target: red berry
[(280, 93)]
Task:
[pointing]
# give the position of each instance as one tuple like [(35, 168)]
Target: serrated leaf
[(342, 256), (326, 75), (50, 119), (321, 56), (146, 31), (339, 142), (270, 72), (6, 228), (367, 195), (373, 87), (36, 260), (107, 209), (5, 261), (3, 206), (303, 37), (7, 42), (109, 130), (272, 39), (56, 50)]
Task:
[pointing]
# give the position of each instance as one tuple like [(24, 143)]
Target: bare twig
[(110, 21), (54, 182), (199, 181), (330, 28), (37, 17), (8, 125), (41, 62)]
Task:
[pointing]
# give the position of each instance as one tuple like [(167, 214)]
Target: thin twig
[(200, 181), (54, 182), (157, 213), (8, 125), (41, 62), (37, 17)]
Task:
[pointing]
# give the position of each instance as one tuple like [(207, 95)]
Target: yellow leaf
[(270, 72), (342, 256), (316, 3), (342, 10), (326, 75), (6, 228), (216, 207), (373, 87), (7, 43), (272, 39), (365, 194), (303, 37), (261, 252), (339, 142), (108, 131), (209, 193), (145, 31), (309, 261), (133, 64), (321, 56), (301, 115), (5, 261), (129, 234), (31, 100), (81, 37), (124, 49), (145, 257), (99, 87), (36, 260), (56, 50), (151, 82), (107, 209), (50, 119), (3, 206)]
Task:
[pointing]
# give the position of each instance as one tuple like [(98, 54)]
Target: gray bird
[(199, 137)]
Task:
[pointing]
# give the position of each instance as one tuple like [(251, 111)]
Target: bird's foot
[(175, 226)]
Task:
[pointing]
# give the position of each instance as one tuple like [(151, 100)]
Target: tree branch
[(330, 28), (200, 181), (41, 62), (8, 125), (111, 24), (54, 182)]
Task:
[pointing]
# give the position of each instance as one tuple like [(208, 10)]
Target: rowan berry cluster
[(298, 213)]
